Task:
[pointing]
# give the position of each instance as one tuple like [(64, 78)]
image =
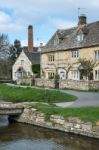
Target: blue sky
[(46, 16)]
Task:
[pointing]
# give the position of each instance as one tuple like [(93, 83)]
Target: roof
[(69, 38), (34, 56), (35, 49)]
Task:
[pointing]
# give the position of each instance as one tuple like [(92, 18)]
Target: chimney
[(30, 38), (82, 20)]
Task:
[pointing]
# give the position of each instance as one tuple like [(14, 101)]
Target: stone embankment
[(70, 124)]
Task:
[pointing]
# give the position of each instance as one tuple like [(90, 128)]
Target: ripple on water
[(25, 137)]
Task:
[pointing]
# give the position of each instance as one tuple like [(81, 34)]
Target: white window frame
[(22, 62), (51, 58), (75, 75), (97, 55), (80, 37), (75, 54), (56, 41), (96, 74)]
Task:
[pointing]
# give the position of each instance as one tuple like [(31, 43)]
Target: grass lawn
[(19, 94), (86, 113)]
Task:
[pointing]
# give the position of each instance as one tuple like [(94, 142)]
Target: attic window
[(56, 41), (80, 37), (21, 62)]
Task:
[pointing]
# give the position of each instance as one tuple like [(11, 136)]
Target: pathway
[(84, 99)]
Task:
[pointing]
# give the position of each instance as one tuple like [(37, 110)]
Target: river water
[(16, 136)]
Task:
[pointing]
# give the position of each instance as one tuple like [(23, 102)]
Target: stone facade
[(69, 124), (25, 65), (63, 60)]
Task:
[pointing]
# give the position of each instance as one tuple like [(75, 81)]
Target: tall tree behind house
[(5, 57)]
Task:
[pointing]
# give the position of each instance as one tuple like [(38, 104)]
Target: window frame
[(51, 58), (22, 62), (75, 53), (80, 37), (97, 54)]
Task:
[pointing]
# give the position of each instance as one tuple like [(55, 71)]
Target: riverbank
[(73, 124)]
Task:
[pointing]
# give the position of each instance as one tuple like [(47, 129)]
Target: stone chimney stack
[(30, 38), (82, 20)]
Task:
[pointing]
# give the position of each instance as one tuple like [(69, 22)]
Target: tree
[(36, 69), (87, 66), (68, 69), (7, 57), (4, 46), (17, 45)]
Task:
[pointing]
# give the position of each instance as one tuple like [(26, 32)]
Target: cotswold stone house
[(63, 50), (28, 56)]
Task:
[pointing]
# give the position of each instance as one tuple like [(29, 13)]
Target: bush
[(36, 68)]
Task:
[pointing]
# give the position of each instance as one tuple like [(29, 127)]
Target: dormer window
[(56, 41), (80, 37)]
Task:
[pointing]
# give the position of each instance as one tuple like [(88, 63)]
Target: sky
[(46, 16)]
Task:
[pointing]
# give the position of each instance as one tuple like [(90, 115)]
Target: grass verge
[(86, 113), (19, 94)]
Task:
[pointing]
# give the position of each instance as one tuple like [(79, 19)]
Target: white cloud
[(61, 24), (36, 42), (24, 42), (45, 15), (4, 18)]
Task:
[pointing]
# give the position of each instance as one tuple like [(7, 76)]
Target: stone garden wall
[(44, 83), (70, 124), (68, 84), (63, 84), (24, 81)]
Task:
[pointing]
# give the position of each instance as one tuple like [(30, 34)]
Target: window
[(21, 62), (51, 75), (97, 54), (96, 74), (28, 73), (80, 37), (75, 75), (51, 58), (75, 53), (56, 41)]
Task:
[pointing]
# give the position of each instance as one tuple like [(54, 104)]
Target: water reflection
[(18, 137), (4, 121)]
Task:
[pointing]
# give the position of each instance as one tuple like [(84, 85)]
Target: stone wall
[(72, 84), (8, 108), (44, 83), (68, 84), (63, 84), (24, 81), (70, 124), (94, 85)]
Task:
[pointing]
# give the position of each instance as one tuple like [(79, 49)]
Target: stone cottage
[(62, 52), (28, 56)]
